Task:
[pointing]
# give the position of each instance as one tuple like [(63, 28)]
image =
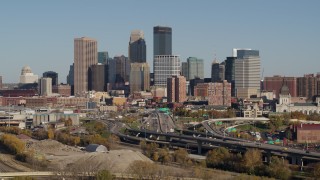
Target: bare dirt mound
[(60, 156), (52, 147)]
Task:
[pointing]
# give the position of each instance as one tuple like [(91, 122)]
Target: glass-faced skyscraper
[(162, 40), (137, 47), (195, 68), (103, 57), (53, 76)]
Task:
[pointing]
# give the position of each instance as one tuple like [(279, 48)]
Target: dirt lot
[(59, 156)]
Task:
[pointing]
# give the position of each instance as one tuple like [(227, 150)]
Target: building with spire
[(286, 105)]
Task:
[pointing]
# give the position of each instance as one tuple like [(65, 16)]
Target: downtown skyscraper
[(193, 68), (85, 55), (247, 73), (137, 47), (162, 40), (165, 65)]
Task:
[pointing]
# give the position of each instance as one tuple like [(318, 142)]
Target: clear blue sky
[(40, 33)]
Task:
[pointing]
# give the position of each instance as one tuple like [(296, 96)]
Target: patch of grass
[(250, 127)]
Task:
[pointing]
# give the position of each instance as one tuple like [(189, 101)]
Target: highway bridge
[(296, 156)]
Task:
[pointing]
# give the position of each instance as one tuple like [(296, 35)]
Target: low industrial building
[(46, 118), (308, 133)]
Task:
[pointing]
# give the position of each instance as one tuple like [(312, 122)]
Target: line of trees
[(183, 112), (250, 162)]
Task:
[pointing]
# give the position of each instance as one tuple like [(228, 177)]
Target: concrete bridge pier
[(268, 157), (199, 147), (294, 160), (168, 138), (300, 163)]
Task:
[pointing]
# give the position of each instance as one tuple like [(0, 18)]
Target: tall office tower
[(119, 71), (137, 47), (184, 69), (97, 77), (0, 82), (176, 89), (103, 57), (53, 76), (247, 73), (45, 86), (275, 83), (162, 40), (27, 77), (307, 86), (218, 93), (165, 66), (70, 78), (229, 72), (85, 55), (217, 72), (235, 51), (195, 68), (139, 77)]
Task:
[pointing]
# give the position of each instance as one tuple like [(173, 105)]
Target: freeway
[(227, 142), (237, 144)]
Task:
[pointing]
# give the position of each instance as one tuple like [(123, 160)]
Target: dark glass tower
[(52, 75), (229, 72), (137, 51), (137, 47), (162, 40), (103, 57)]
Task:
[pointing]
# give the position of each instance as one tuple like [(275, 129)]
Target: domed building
[(27, 77)]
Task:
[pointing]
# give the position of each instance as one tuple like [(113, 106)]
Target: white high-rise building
[(164, 67), (247, 73), (45, 85)]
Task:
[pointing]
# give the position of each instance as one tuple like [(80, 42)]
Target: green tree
[(289, 134)]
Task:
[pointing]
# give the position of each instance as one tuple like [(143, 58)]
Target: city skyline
[(40, 34)]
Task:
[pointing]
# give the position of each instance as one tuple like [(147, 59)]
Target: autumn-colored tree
[(252, 159), (275, 122), (68, 122), (181, 156), (298, 115), (164, 155), (40, 134), (104, 175), (279, 168), (50, 133), (316, 170), (148, 149), (217, 157), (12, 143), (144, 170)]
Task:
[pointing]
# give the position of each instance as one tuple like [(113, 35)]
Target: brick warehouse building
[(307, 133)]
